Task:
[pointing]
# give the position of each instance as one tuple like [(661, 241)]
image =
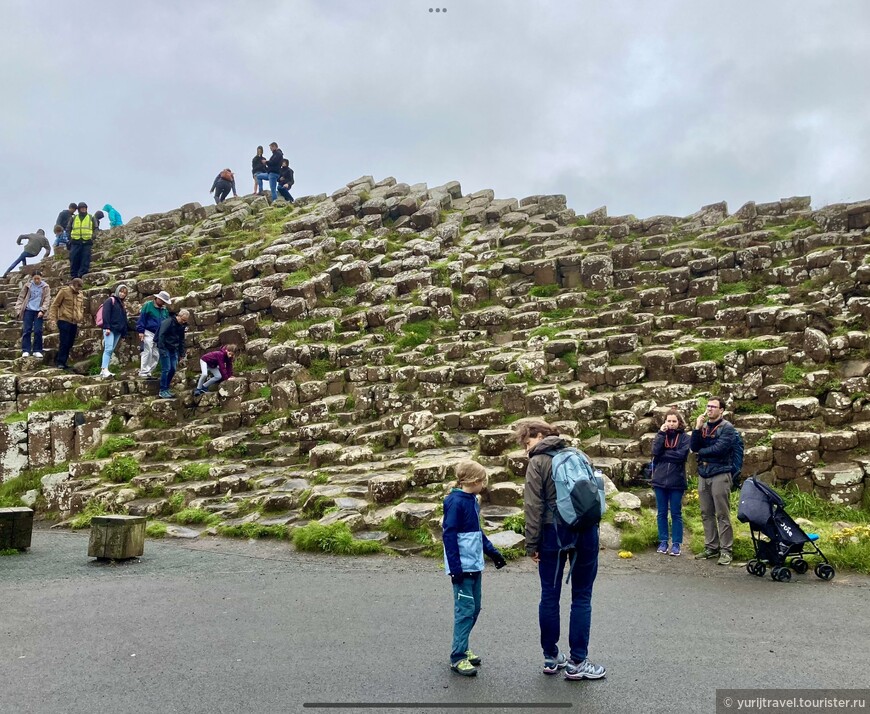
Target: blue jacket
[(669, 470), (464, 541), (714, 444), (114, 216)]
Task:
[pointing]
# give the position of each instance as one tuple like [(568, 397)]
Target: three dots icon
[(437, 9)]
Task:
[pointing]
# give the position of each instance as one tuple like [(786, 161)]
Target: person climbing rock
[(224, 182), (35, 242)]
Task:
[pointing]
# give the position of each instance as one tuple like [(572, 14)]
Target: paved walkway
[(228, 626)]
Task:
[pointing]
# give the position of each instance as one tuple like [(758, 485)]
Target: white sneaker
[(25, 354), (105, 374), (37, 354)]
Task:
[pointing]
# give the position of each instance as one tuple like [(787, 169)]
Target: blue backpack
[(579, 496)]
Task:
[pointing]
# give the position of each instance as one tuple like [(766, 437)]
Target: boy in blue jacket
[(464, 547)]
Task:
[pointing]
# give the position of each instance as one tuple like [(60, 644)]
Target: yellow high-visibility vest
[(82, 228)]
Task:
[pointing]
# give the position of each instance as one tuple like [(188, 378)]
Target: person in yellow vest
[(82, 230)]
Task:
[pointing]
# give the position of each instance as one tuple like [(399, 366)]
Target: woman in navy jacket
[(670, 451)]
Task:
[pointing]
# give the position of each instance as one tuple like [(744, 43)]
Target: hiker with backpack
[(224, 182), (112, 317), (464, 547), (670, 450), (564, 502), (718, 446)]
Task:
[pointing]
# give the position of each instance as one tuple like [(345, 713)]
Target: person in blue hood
[(464, 547), (114, 217)]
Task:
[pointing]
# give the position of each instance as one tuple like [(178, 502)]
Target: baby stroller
[(777, 539)]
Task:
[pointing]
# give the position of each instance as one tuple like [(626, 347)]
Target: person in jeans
[(170, 344), (545, 545), (272, 170), (670, 450), (114, 326), (82, 229), (224, 182), (35, 242), (153, 312), (464, 548), (285, 180), (258, 166), (31, 307), (713, 441), (67, 311), (216, 367)]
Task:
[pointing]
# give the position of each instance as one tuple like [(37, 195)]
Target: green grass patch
[(715, 351), (415, 334), (83, 519), (120, 469), (10, 551), (255, 530), (644, 535), (115, 425), (67, 401), (398, 531), (558, 314), (320, 478), (793, 374), (543, 291), (265, 392), (516, 523), (155, 529), (197, 516), (335, 538), (194, 472), (13, 489), (318, 368), (111, 446)]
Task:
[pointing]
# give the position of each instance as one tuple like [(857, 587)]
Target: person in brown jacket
[(68, 311), (545, 545), (31, 307)]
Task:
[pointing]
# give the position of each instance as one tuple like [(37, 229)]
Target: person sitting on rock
[(217, 364), (32, 307), (224, 182), (285, 180), (170, 343), (35, 242)]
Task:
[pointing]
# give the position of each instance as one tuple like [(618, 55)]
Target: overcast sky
[(647, 106)]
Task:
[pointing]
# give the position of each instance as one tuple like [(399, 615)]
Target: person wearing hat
[(31, 307), (152, 314), (35, 242), (82, 229)]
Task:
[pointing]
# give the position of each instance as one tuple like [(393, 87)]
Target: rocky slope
[(390, 331)]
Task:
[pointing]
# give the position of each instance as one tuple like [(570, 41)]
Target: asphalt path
[(229, 626)]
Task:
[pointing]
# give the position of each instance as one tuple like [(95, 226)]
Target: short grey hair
[(184, 313)]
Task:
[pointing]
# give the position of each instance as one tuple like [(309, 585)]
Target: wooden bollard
[(117, 537), (16, 528)]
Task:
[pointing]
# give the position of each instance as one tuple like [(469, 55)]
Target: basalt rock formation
[(390, 330)]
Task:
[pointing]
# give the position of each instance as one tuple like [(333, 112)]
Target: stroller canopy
[(764, 510)]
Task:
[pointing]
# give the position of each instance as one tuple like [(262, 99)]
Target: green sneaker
[(473, 658), (724, 559), (465, 668), (707, 554)]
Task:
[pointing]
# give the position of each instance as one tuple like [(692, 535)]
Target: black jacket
[(63, 219), (170, 336), (714, 444), (669, 470), (286, 177), (115, 316), (257, 165), (274, 162)]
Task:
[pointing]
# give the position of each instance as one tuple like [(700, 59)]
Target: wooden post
[(16, 528), (117, 537)]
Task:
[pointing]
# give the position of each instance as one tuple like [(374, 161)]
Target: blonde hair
[(469, 473)]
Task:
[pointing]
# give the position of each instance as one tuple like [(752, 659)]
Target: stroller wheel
[(824, 571), (781, 574), (760, 569), (750, 566), (800, 566)]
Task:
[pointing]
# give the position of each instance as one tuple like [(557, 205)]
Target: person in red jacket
[(216, 367)]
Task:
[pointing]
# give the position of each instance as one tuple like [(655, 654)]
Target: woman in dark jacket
[(670, 451), (114, 326), (258, 164)]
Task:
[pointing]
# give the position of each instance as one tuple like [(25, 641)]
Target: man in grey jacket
[(35, 242), (548, 544)]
